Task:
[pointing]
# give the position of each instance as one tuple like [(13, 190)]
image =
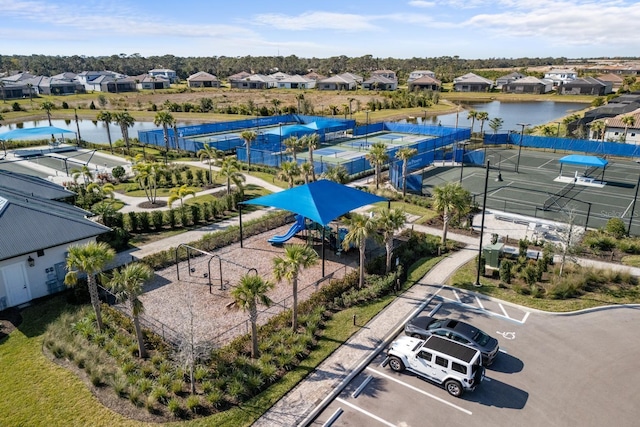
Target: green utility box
[(492, 254)]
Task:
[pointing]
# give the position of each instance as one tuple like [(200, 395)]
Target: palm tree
[(84, 172), (482, 116), (306, 169), (629, 121), (175, 134), (598, 128), (300, 98), (276, 103), (107, 118), (311, 142), (248, 136), (210, 153), (448, 198), (390, 221), (89, 259), (404, 154), (30, 87), (48, 106), (288, 172), (146, 174), (473, 115), (127, 284), (295, 259), (378, 156), (337, 173), (361, 227), (165, 120), (230, 171), (179, 193), (251, 291), (293, 144), (496, 124), (125, 120)]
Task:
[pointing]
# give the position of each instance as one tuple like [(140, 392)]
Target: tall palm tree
[(390, 221), (473, 115), (496, 124), (293, 143), (106, 118), (176, 135), (447, 199), (306, 169), (598, 129), (179, 193), (249, 136), (48, 106), (84, 172), (295, 259), (361, 227), (89, 259), (377, 156), (165, 120), (230, 171), (337, 173), (404, 154), (125, 120), (210, 153), (288, 172), (146, 174), (483, 116), (629, 121), (251, 291), (311, 142), (127, 284)]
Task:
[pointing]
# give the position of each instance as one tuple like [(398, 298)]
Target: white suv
[(440, 360)]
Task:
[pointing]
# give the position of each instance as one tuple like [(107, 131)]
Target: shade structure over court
[(321, 201), (581, 160), (32, 132)]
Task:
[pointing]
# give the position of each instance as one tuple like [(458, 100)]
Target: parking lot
[(552, 370)]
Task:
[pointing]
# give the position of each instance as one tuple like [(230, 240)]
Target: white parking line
[(457, 296), (484, 310), (369, 414), (479, 303), (504, 311), (362, 386), (459, 408)]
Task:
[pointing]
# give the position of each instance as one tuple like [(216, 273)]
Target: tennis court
[(529, 188)]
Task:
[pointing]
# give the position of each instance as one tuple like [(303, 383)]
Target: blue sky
[(393, 28)]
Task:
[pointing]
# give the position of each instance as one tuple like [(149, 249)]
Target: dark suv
[(424, 326)]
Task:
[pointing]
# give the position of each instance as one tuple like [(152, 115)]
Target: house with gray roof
[(508, 78), (254, 81), (345, 81), (425, 83), (37, 228), (203, 79), (417, 74), (151, 82), (379, 82), (471, 82), (106, 81), (528, 84), (166, 73), (296, 82), (586, 86)]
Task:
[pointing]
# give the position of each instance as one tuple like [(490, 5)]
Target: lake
[(534, 113)]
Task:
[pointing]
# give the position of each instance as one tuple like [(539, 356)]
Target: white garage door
[(15, 281)]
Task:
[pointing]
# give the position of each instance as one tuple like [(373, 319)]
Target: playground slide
[(297, 226)]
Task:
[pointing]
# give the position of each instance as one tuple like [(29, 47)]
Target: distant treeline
[(445, 67)]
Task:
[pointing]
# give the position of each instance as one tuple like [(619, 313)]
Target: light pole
[(520, 145), (633, 207), (463, 144), (366, 134), (484, 207), (558, 131)]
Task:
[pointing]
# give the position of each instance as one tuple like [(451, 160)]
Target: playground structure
[(315, 231)]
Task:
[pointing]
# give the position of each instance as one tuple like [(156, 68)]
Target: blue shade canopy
[(577, 159), (31, 132), (321, 201)]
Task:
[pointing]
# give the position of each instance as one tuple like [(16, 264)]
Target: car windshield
[(436, 324), (481, 338)]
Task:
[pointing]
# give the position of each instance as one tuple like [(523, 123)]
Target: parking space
[(549, 372)]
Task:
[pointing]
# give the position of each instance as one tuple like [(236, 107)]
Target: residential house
[(37, 229), (388, 74), (620, 105), (628, 69), (238, 76), (296, 82), (560, 76), (586, 86), (279, 75), (417, 74), (471, 82), (618, 130), (380, 82), (150, 82), (255, 81), (312, 75), (106, 81), (528, 84), (615, 79), (203, 79), (13, 90), (164, 72), (55, 86), (509, 78), (345, 81), (425, 83)]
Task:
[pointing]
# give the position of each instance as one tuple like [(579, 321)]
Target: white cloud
[(316, 21)]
